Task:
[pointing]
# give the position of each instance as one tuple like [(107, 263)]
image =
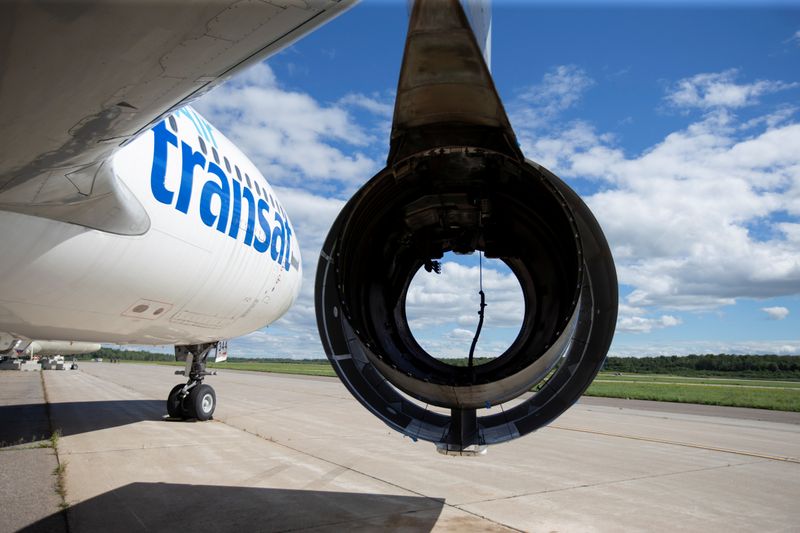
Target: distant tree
[(764, 366)]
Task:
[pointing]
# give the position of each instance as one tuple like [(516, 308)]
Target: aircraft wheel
[(175, 404), (201, 402)]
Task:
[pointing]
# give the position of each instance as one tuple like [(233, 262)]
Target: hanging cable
[(480, 312)]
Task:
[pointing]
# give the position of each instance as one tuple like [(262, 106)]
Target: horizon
[(131, 348)]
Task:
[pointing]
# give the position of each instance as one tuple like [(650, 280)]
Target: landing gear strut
[(194, 399)]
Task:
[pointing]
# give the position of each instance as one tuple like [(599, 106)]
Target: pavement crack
[(61, 466), (607, 483), (164, 447), (677, 443)]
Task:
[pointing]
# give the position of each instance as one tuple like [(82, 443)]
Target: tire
[(175, 405), (201, 402)]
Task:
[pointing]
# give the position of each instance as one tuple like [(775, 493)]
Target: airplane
[(38, 355), (128, 218), (48, 348)]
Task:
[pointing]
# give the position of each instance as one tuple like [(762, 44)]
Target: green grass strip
[(778, 399), (305, 369)]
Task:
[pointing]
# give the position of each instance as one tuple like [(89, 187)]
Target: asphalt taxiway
[(288, 453)]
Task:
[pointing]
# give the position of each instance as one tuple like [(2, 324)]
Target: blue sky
[(678, 126)]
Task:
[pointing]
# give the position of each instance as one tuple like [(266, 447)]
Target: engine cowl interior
[(456, 180), (465, 199)]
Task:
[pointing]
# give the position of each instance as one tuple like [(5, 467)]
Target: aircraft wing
[(113, 70)]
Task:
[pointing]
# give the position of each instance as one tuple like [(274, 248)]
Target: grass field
[(663, 378), (305, 369), (761, 394)]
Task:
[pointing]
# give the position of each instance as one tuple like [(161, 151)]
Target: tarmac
[(291, 453)]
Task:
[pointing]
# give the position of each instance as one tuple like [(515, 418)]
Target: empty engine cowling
[(465, 199), (456, 180)]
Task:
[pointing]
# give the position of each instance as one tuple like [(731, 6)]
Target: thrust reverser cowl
[(457, 180)]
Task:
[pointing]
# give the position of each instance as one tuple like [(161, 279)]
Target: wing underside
[(80, 79)]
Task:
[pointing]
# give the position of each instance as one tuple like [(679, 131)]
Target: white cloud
[(461, 334), (442, 309), (374, 104), (680, 214), (718, 90), (776, 313), (561, 152), (291, 137), (771, 120), (791, 230), (561, 88), (691, 218), (452, 297), (633, 319), (638, 324)]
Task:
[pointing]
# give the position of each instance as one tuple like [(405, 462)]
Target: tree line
[(126, 355), (761, 366)]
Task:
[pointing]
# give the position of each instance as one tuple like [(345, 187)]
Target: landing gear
[(202, 401), (193, 399), (175, 402)]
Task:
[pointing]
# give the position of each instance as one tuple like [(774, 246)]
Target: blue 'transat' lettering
[(220, 190), (158, 173), (221, 197), (261, 246)]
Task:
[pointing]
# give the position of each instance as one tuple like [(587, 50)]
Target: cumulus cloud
[(442, 309), (791, 231), (692, 218), (715, 90), (776, 313), (633, 319), (639, 324), (292, 138), (561, 88), (452, 296), (562, 150), (374, 104), (679, 216), (461, 334)]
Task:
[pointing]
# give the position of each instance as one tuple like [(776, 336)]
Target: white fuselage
[(220, 257)]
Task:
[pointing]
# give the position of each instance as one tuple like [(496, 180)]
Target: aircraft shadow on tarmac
[(178, 507), (20, 424)]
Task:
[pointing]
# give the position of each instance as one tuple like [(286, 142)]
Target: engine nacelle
[(456, 180), (464, 199)]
